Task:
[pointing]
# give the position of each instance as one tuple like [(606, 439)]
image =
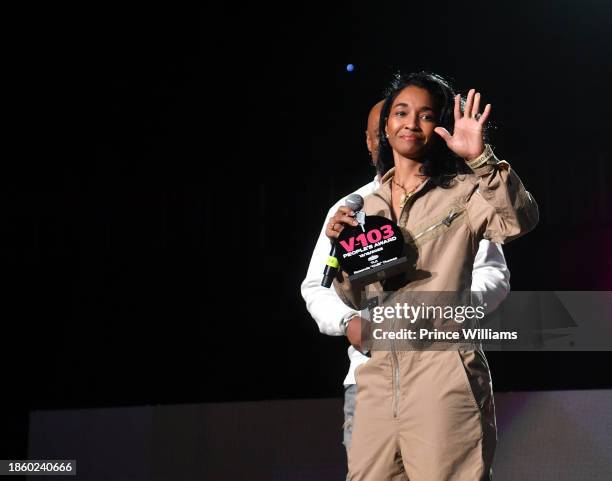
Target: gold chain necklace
[(404, 198)]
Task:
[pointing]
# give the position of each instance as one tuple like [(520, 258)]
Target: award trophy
[(371, 251)]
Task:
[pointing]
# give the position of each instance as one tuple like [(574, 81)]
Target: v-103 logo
[(370, 237)]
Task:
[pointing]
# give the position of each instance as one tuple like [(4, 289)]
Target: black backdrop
[(145, 136)]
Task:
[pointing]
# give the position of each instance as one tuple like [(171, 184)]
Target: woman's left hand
[(467, 141)]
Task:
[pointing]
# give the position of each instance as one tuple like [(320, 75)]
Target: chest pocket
[(436, 227)]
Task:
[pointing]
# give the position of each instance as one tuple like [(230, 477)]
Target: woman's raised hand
[(467, 141)]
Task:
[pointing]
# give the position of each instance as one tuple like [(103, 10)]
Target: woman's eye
[(427, 117), (400, 113)]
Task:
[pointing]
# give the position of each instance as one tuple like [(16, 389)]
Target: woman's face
[(411, 122)]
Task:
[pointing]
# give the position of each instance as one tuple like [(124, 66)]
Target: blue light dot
[(350, 67)]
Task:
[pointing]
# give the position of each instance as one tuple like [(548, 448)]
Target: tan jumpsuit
[(434, 409)]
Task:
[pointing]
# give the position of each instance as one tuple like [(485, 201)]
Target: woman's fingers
[(442, 132), (330, 230), (476, 106), (469, 102), (485, 115), (457, 107), (343, 216), (344, 210), (345, 219), (334, 231), (472, 107)]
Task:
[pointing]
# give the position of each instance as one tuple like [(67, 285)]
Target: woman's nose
[(411, 122)]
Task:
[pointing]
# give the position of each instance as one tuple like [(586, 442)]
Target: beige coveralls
[(434, 409)]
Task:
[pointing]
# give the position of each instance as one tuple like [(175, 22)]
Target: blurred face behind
[(372, 130), (411, 122)]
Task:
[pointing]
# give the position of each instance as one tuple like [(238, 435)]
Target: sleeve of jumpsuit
[(499, 210)]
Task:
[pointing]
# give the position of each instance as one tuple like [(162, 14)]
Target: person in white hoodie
[(490, 281)]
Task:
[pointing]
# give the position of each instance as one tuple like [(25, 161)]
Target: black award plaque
[(371, 251)]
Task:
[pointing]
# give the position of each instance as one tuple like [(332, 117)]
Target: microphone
[(355, 203)]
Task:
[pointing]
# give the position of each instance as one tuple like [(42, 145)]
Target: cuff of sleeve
[(484, 163), (482, 158)]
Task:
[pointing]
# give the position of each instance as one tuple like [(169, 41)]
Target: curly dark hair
[(440, 164)]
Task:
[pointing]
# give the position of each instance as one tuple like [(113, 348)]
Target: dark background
[(172, 168)]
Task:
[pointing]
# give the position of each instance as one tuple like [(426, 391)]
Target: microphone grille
[(354, 202)]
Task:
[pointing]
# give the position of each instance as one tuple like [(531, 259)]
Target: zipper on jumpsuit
[(394, 360), (446, 221), (395, 376)]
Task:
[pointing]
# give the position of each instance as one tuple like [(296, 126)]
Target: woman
[(446, 192)]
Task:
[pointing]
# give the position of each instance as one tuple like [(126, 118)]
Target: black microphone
[(355, 203)]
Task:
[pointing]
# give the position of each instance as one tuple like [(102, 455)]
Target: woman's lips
[(409, 137)]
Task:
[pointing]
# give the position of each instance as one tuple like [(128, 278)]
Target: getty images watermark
[(525, 320), (423, 313)]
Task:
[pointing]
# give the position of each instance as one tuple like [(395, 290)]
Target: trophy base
[(380, 273)]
